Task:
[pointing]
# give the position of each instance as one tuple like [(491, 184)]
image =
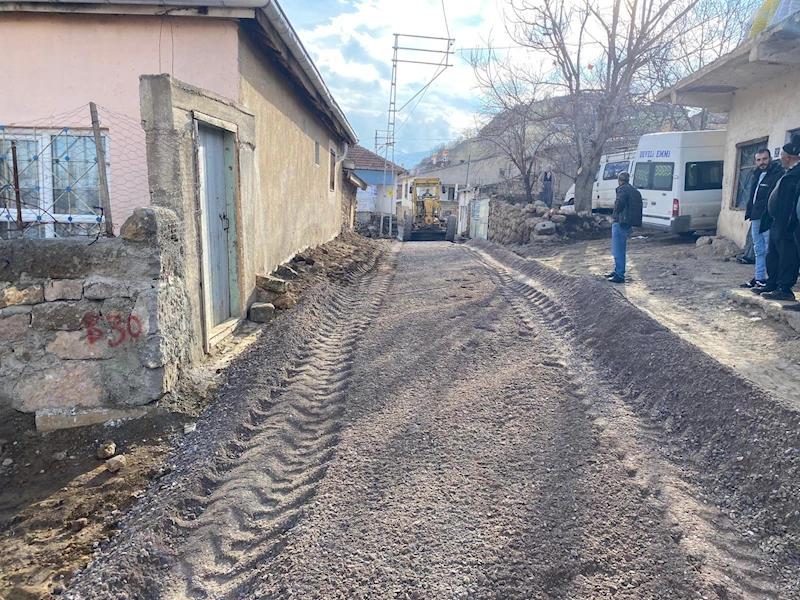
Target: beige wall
[(294, 208), (59, 63), (763, 111)]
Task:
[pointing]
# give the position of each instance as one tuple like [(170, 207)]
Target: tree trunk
[(526, 181)]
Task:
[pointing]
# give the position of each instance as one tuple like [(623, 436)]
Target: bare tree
[(515, 112), (599, 50)]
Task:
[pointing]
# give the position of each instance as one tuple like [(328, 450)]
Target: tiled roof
[(370, 161)]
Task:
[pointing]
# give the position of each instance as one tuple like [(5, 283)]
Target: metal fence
[(79, 173)]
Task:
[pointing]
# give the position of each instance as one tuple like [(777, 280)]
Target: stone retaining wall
[(89, 330), (522, 224)]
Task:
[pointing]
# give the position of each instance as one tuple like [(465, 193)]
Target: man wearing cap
[(783, 264)]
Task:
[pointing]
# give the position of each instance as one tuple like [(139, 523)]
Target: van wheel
[(450, 236)]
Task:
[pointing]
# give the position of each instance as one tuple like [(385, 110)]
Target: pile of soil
[(59, 505)]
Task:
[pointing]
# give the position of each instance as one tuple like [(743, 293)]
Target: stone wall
[(517, 223), (90, 329), (528, 223)]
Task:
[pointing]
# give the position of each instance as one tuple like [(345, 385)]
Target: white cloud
[(351, 44)]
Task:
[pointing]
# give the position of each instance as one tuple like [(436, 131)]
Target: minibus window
[(613, 170), (703, 176), (653, 176)]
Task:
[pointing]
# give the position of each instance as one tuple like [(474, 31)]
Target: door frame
[(213, 334)]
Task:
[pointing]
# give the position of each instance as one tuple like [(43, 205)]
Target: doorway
[(217, 183)]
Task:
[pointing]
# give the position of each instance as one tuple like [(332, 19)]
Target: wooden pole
[(105, 202), (17, 194)]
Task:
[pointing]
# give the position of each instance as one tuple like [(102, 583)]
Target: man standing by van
[(783, 259), (627, 214), (762, 182)]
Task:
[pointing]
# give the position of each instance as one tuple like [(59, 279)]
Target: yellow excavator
[(426, 221)]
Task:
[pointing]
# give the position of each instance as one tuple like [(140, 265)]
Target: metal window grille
[(58, 176)]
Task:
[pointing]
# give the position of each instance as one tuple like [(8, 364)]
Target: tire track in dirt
[(269, 471), (730, 567)]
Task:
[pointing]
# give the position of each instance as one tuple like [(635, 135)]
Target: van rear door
[(655, 181)]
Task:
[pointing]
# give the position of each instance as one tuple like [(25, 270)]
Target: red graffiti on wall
[(120, 328)]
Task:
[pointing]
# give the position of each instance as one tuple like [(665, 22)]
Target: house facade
[(380, 175), (758, 85), (223, 154)]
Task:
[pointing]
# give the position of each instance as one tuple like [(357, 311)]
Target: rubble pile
[(534, 223), (281, 289)]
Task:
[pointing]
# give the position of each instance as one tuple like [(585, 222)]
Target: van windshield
[(653, 176), (613, 169)]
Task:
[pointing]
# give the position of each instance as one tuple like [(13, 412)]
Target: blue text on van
[(654, 153)]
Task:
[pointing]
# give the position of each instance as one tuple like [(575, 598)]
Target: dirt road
[(455, 422)]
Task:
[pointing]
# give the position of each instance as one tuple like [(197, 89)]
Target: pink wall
[(56, 64)]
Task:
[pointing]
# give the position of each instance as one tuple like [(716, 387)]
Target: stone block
[(68, 384), (19, 309), (53, 419), (74, 345), (545, 228), (63, 289), (265, 296), (141, 226), (558, 218), (150, 385), (273, 284), (261, 312), (285, 302), (14, 328), (117, 306), (12, 295), (64, 315), (100, 288), (146, 311), (151, 353), (286, 272)]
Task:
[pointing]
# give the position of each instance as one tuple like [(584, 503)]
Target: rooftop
[(368, 160), (772, 53)]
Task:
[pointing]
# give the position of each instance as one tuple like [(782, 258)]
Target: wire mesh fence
[(51, 183)]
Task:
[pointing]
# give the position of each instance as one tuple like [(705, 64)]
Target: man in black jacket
[(782, 267), (627, 214), (762, 182)]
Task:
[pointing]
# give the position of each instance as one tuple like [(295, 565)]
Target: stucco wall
[(60, 63), (761, 111), (294, 208)]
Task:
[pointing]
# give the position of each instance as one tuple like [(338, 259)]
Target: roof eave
[(765, 56)]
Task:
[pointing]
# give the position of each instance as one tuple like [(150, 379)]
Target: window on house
[(653, 176), (613, 170), (745, 163), (332, 173), (59, 183), (399, 191), (703, 176), (316, 152), (451, 193)]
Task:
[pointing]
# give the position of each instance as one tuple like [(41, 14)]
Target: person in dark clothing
[(627, 214), (547, 179), (783, 259), (762, 182)]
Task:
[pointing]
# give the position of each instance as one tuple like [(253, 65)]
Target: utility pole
[(414, 43)]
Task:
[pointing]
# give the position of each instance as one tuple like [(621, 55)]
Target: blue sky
[(351, 44)]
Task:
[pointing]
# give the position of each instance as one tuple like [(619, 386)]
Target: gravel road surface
[(456, 422)]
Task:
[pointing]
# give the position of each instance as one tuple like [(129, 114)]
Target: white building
[(758, 84)]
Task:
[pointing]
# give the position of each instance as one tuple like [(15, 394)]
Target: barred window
[(59, 184)]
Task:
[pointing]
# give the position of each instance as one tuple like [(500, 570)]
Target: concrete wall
[(757, 113), (295, 208), (61, 62), (169, 108), (88, 331)]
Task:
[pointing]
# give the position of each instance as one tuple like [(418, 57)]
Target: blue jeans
[(760, 243), (619, 244)]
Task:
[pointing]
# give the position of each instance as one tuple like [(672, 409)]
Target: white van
[(680, 177), (604, 190)]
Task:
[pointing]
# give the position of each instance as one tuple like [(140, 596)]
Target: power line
[(446, 26)]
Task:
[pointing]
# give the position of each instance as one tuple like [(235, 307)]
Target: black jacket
[(783, 201), (628, 206), (756, 210)]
